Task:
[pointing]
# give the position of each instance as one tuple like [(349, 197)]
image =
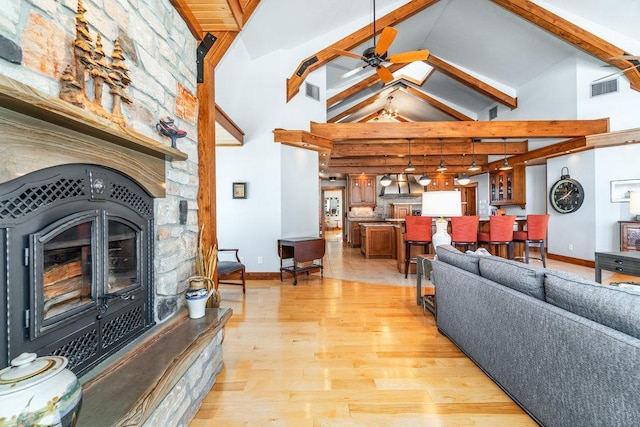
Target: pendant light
[(424, 180), (505, 164), (410, 167), (385, 181), (474, 166), (441, 167), (463, 179)]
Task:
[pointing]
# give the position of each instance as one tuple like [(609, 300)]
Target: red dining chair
[(417, 232), (464, 231), (500, 233), (536, 234)]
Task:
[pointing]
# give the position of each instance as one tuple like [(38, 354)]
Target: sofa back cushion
[(524, 278), (607, 305), (452, 256)]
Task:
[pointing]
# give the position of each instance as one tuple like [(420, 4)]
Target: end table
[(428, 299)]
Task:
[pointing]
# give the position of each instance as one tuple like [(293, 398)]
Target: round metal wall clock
[(566, 194)]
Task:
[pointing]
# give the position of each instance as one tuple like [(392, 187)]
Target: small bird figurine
[(167, 127)]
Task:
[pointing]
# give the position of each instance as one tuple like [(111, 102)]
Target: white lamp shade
[(441, 203), (634, 203)]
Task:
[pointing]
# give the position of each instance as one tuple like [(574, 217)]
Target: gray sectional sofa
[(566, 349)]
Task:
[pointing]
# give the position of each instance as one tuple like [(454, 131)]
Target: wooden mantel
[(38, 131), (29, 101)]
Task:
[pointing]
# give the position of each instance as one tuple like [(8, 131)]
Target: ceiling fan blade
[(385, 40), (349, 54), (415, 55), (385, 75), (352, 72), (616, 73)]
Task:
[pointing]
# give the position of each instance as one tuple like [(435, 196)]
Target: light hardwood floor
[(337, 352)]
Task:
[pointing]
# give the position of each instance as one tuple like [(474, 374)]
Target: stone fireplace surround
[(37, 131), (182, 356)]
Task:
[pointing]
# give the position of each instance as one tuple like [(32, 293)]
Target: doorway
[(333, 213), (469, 203)]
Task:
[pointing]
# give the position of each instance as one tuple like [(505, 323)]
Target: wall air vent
[(493, 113), (604, 87), (312, 91)]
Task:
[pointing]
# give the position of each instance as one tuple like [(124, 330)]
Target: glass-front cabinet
[(508, 187)]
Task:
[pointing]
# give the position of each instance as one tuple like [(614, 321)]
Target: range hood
[(402, 185)]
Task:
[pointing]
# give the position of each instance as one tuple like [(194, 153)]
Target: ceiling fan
[(631, 58), (376, 56)]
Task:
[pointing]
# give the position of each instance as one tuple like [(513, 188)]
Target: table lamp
[(634, 204), (442, 204)]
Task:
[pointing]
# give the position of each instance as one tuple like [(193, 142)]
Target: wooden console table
[(306, 253), (621, 262)]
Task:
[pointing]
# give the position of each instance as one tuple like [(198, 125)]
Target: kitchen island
[(353, 228), (377, 240)]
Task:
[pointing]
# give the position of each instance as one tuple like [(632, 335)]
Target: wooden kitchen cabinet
[(399, 211), (362, 190), (377, 240), (507, 187), (442, 183)]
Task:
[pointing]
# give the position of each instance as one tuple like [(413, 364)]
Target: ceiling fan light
[(424, 180), (464, 179), (385, 180)]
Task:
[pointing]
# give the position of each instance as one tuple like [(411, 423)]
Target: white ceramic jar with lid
[(39, 391)]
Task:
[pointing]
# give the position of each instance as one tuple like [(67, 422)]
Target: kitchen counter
[(378, 240)]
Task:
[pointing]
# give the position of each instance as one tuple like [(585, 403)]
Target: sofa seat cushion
[(524, 278), (452, 256), (608, 305)]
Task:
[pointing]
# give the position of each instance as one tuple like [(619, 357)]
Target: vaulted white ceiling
[(477, 36)]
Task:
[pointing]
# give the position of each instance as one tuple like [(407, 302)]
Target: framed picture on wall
[(621, 190), (239, 190)]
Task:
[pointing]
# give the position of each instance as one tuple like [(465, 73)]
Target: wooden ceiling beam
[(572, 34), (302, 139), (223, 41), (361, 85), (437, 104), (381, 170), (472, 82), (237, 12), (248, 8), (418, 161), (462, 129), (343, 149), (351, 41)]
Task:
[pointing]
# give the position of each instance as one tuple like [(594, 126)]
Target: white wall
[(283, 186), (563, 92), (300, 193)]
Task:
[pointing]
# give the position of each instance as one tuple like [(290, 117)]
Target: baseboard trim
[(263, 276), (570, 260)]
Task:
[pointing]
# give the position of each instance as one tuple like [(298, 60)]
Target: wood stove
[(77, 264)]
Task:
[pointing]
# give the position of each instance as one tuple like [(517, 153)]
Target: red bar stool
[(464, 231), (500, 233), (417, 232), (536, 234)]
